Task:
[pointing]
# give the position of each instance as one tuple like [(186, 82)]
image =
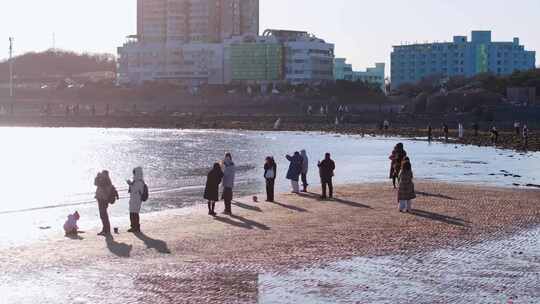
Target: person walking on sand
[(305, 168), (211, 191), (295, 169), (270, 171), (406, 191), (138, 193), (229, 171), (397, 156), (326, 170), (104, 193)]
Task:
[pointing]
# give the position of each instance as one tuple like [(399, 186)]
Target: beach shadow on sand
[(420, 193), (122, 250), (74, 236), (440, 218), (316, 196), (291, 207), (245, 206), (159, 245), (241, 222)]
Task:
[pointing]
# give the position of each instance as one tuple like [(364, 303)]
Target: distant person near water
[(229, 172), (475, 127), (138, 193), (386, 125), (270, 173), (526, 136), (517, 127), (429, 133), (494, 135), (326, 170), (105, 194), (461, 130), (397, 156), (305, 168), (295, 169), (445, 131), (211, 191), (406, 191)]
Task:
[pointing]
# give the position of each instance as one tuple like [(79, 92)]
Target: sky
[(362, 30)]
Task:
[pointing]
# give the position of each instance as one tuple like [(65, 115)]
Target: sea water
[(48, 173)]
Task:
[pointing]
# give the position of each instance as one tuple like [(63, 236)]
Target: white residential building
[(344, 71)]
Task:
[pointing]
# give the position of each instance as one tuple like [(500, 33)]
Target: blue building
[(412, 63)]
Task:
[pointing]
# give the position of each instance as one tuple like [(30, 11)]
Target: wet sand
[(189, 257)]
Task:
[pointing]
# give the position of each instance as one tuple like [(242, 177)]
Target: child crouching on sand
[(406, 191), (70, 226)]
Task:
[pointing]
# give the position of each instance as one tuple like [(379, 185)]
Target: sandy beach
[(186, 256)]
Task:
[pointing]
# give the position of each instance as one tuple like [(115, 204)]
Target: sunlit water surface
[(48, 173)]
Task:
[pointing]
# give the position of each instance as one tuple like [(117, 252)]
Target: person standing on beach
[(270, 171), (295, 169), (138, 192), (104, 192), (406, 191), (494, 135), (397, 156), (526, 136), (305, 168), (326, 170), (445, 131), (211, 191), (517, 127), (229, 171), (429, 133), (461, 131)]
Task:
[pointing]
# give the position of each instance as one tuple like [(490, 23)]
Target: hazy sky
[(363, 30)]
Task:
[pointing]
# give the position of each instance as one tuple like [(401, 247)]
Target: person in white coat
[(229, 171), (136, 190)]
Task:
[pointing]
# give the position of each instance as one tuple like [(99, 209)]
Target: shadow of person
[(74, 236), (122, 250), (245, 206), (317, 197), (242, 222), (159, 245), (291, 207), (440, 218), (437, 195)]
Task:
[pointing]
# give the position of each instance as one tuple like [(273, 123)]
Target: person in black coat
[(270, 171), (211, 191), (326, 169)]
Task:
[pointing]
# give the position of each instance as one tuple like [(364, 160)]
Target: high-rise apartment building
[(462, 57), (204, 21)]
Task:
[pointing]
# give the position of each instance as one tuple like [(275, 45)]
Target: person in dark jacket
[(445, 131), (229, 172), (397, 156), (270, 171), (430, 133), (326, 170), (211, 191), (103, 195), (295, 169)]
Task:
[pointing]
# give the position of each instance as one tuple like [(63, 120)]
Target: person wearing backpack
[(103, 194), (138, 193), (270, 171)]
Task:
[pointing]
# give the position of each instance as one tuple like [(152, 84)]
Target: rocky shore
[(507, 138), (189, 257)]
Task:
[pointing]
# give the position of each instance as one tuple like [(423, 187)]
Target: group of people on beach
[(106, 195), (224, 173)]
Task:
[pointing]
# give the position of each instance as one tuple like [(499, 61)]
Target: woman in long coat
[(211, 191), (295, 169), (136, 190), (406, 191)]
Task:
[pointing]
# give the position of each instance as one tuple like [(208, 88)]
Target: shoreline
[(183, 258), (507, 139)]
